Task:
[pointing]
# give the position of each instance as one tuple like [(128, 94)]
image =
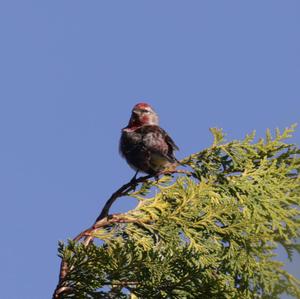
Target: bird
[(145, 145)]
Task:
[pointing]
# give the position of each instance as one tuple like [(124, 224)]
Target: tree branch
[(121, 192), (103, 220), (110, 219)]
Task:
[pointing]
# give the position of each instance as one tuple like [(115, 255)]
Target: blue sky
[(70, 72)]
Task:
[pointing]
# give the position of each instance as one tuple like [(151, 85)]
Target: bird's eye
[(145, 111)]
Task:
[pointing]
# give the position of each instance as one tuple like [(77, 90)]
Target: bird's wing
[(170, 141), (157, 140)]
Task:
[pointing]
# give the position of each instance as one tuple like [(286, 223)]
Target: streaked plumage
[(145, 146)]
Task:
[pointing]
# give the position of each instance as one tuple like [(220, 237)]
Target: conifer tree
[(209, 231)]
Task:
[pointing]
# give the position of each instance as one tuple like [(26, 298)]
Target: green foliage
[(210, 235)]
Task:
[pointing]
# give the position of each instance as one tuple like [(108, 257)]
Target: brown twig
[(130, 186), (110, 219), (104, 219), (121, 192)]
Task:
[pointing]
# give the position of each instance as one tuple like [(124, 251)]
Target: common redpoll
[(145, 146)]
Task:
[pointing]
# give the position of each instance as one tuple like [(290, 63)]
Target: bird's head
[(143, 114)]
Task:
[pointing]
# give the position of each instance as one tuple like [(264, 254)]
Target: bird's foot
[(156, 177), (133, 181)]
